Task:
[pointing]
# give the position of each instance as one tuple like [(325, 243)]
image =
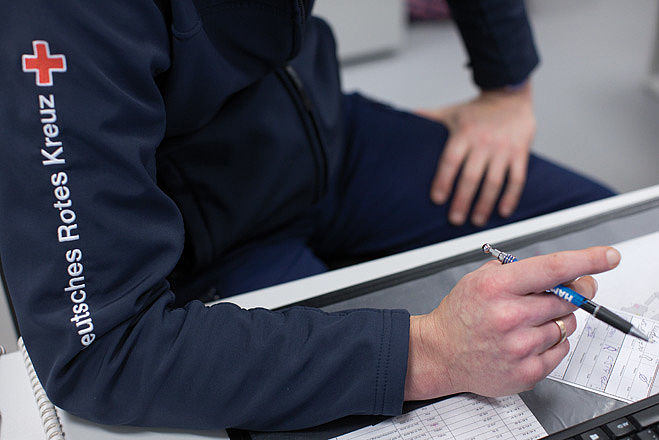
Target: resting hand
[(494, 333), (490, 138)]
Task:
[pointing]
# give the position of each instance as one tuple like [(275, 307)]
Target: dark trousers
[(379, 203)]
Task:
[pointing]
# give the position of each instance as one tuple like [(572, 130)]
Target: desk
[(296, 291), (419, 279)]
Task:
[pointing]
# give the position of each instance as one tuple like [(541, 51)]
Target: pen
[(569, 295)]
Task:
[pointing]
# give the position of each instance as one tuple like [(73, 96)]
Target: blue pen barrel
[(569, 295)]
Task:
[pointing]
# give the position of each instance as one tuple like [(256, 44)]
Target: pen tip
[(639, 334), (486, 248)]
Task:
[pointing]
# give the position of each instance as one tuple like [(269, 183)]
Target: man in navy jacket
[(158, 153)]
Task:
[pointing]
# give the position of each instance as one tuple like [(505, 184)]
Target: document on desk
[(633, 286), (463, 417), (609, 362), (604, 360)]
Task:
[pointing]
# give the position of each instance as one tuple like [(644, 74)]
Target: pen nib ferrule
[(639, 334)]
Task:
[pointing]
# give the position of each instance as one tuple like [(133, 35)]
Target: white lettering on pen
[(563, 294)]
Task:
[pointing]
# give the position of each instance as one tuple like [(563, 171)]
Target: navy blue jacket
[(143, 140)]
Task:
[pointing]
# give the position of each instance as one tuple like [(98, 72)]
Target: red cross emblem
[(43, 64)]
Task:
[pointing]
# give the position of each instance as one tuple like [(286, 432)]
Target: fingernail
[(597, 285), (613, 257), (457, 218), (478, 220), (505, 211), (439, 197)]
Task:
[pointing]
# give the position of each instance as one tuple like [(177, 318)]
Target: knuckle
[(497, 282), (469, 125), (520, 346), (517, 181), (493, 182), (484, 137), (516, 146), (471, 178), (487, 283), (555, 267), (504, 319), (452, 158)]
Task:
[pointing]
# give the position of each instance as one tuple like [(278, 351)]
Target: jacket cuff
[(392, 364)]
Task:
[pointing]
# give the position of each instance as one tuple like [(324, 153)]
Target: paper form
[(609, 362), (463, 417), (604, 360), (633, 286)]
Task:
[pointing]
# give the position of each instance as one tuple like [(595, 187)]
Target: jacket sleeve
[(499, 40), (87, 239)]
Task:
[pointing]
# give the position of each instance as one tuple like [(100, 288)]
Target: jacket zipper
[(313, 132), (300, 8)]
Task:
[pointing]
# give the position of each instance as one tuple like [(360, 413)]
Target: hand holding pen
[(496, 333), (569, 295)]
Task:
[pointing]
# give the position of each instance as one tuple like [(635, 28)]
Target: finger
[(550, 332), (543, 307), (470, 179), (535, 367), (490, 190), (586, 285), (537, 274), (450, 162), (515, 185), (553, 356)]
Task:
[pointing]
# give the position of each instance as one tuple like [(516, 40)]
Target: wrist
[(522, 89), (428, 371), (518, 87)]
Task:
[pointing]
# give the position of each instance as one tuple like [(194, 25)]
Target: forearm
[(218, 367), (498, 39)]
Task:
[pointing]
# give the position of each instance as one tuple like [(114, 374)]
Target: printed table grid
[(464, 417)]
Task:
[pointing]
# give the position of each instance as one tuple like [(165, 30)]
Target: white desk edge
[(305, 288)]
